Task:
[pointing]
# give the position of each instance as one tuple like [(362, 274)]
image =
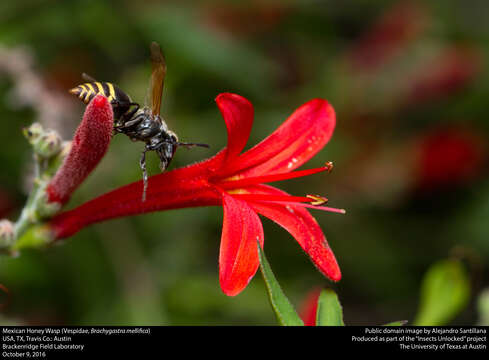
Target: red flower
[(309, 307), (89, 145), (236, 181)]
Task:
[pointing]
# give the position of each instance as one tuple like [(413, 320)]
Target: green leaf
[(445, 292), (329, 311), (397, 323), (282, 307)]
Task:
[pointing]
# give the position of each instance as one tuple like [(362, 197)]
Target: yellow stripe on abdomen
[(91, 89), (100, 89), (83, 93), (90, 93), (111, 92)]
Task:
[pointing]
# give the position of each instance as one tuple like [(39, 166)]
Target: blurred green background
[(409, 84)]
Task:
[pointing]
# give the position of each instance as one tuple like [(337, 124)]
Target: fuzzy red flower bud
[(90, 143)]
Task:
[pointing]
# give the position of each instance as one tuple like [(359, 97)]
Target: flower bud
[(49, 144), (6, 233), (89, 145), (46, 143), (33, 132)]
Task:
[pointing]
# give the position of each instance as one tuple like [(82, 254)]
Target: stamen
[(291, 200), (322, 208), (239, 183), (273, 198)]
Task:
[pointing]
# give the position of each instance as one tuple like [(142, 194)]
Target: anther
[(317, 200)]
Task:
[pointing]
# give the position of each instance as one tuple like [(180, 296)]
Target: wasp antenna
[(88, 78), (189, 145)]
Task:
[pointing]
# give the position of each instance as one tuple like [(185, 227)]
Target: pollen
[(317, 200)]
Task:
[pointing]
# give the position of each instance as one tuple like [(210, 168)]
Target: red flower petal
[(90, 143), (298, 139), (309, 307), (179, 188), (238, 257), (238, 115), (302, 226)]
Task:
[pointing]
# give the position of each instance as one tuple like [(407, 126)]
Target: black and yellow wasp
[(138, 124)]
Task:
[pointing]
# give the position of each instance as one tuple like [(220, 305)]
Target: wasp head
[(166, 149)]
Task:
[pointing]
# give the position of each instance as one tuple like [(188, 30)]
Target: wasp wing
[(158, 65)]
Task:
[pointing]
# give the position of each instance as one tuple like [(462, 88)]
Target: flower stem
[(37, 206)]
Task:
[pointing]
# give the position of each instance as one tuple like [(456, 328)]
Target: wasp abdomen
[(86, 92)]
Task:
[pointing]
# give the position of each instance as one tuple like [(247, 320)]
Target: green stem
[(37, 208), (29, 214)]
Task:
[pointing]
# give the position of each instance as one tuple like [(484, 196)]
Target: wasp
[(139, 124)]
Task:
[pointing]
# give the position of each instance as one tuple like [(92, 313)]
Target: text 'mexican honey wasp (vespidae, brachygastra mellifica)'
[(138, 124)]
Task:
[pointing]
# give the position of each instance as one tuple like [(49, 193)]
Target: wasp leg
[(165, 151), (132, 122), (125, 121), (142, 164), (127, 116), (164, 163)]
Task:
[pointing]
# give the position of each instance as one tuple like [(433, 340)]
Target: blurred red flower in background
[(255, 17), (7, 204), (388, 35), (4, 296), (236, 181), (447, 157), (449, 71)]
